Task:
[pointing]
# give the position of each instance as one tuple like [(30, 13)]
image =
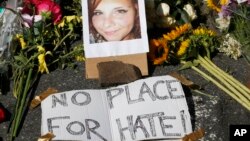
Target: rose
[(49, 7), (2, 114), (46, 8)]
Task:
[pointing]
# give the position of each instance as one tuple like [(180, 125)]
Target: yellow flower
[(80, 58), (69, 19), (211, 5), (40, 49), (203, 31), (177, 32), (158, 47), (21, 41), (42, 64), (183, 47), (224, 2), (41, 60)]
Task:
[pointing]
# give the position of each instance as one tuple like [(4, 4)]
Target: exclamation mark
[(183, 120)]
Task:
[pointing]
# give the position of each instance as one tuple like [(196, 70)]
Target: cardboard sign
[(152, 108), (114, 30)]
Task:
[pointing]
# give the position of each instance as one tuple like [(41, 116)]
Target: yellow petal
[(42, 64), (41, 49)]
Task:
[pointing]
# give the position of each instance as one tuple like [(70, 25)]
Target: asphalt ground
[(214, 114)]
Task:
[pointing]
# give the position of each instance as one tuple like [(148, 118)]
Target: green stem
[(220, 86), (18, 83), (65, 37), (64, 56), (231, 78), (231, 82), (21, 106), (202, 93), (221, 78)]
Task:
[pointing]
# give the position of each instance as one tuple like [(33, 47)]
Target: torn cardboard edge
[(139, 60)]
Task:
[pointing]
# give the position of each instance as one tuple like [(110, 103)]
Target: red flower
[(2, 115), (52, 7), (34, 2), (43, 6)]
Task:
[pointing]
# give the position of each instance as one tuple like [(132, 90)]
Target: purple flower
[(225, 11)]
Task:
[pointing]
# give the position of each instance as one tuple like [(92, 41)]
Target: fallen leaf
[(194, 136), (38, 99)]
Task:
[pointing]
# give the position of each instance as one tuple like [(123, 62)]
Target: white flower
[(223, 22), (163, 9), (230, 47), (241, 1), (190, 11)]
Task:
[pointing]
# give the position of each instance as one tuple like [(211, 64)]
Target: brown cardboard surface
[(139, 60)]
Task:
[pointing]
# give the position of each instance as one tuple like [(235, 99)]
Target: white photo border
[(115, 48)]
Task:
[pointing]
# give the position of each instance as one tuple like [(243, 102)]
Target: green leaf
[(196, 63), (187, 65), (184, 16), (21, 59)]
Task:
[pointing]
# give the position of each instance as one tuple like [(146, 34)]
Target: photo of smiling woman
[(113, 20)]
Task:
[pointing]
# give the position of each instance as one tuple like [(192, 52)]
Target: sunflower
[(183, 47), (203, 31), (177, 32), (158, 46)]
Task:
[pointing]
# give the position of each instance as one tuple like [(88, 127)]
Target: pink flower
[(48, 6), (45, 6)]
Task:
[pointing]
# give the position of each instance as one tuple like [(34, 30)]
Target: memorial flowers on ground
[(43, 44), (234, 23), (192, 47)]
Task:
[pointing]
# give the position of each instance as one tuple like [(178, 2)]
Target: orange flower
[(158, 47)]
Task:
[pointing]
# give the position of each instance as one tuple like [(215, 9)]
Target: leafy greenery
[(240, 28)]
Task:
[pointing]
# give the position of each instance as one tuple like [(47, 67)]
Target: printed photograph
[(113, 20), (114, 28)]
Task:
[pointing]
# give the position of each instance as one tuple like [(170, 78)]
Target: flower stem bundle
[(43, 44), (224, 81), (23, 83)]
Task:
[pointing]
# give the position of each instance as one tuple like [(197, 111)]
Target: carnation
[(230, 47)]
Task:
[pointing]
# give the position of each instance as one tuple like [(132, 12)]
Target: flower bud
[(2, 115), (163, 9), (190, 11)]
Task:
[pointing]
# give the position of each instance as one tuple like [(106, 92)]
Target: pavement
[(214, 114)]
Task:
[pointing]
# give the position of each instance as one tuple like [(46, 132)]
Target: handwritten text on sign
[(145, 109)]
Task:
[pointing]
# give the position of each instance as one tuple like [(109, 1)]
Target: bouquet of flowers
[(43, 44), (193, 46), (233, 21)]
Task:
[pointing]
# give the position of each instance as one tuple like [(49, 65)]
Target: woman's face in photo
[(114, 19)]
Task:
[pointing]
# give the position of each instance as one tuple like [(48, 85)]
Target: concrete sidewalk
[(214, 114)]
